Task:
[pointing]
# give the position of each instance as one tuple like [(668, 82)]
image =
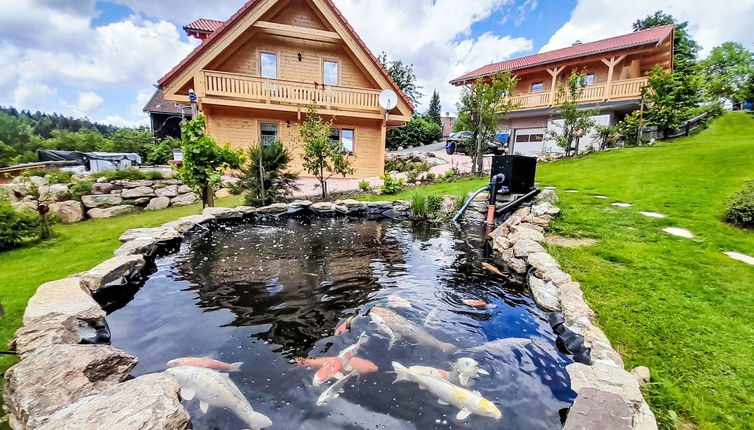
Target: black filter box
[(519, 171)]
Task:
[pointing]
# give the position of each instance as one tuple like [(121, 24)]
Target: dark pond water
[(268, 293)]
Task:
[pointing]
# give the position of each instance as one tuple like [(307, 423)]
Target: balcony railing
[(280, 91), (618, 90)]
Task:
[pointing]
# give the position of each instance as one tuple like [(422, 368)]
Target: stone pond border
[(65, 373)]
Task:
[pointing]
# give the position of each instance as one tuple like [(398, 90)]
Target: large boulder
[(524, 247), (606, 378), (548, 196), (271, 209), (224, 213), (54, 193), (182, 225), (158, 203), (159, 234), (598, 410), (169, 191), (40, 335), (62, 299), (147, 402), (545, 294), (111, 212), (184, 199), (183, 189), (544, 208), (109, 271), (134, 193), (139, 183), (102, 187), (543, 262), (524, 233), (222, 193), (68, 211), (95, 201), (53, 378), (136, 246)]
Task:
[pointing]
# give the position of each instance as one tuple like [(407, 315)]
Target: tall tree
[(323, 157), (480, 110), (404, 77), (669, 97), (684, 47), (727, 72), (576, 122), (434, 111), (203, 160)]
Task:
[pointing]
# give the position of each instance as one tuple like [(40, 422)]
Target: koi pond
[(427, 337)]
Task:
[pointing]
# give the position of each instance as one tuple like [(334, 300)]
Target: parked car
[(456, 143)]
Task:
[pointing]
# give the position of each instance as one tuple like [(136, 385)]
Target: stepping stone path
[(600, 197), (571, 191), (680, 232), (550, 188), (622, 205), (740, 257), (652, 214)]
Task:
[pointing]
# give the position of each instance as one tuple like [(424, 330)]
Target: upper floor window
[(537, 87), (330, 72), (269, 133), (268, 64), (589, 80)]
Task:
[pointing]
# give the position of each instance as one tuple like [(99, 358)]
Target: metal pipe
[(519, 201)]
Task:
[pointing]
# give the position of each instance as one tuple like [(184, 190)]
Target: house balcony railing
[(281, 91), (618, 90)]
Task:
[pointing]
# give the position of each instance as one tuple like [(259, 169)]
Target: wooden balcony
[(285, 94), (618, 90)]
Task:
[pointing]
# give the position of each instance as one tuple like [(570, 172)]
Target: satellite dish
[(388, 99)]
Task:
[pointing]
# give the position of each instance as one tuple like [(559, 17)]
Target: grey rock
[(60, 300), (448, 205), (140, 183), (501, 243), (40, 335), (595, 409), (101, 180), (526, 234), (273, 208), (158, 203), (541, 221), (545, 294), (380, 204), (604, 353), (558, 277), (524, 247), (54, 193), (110, 270), (134, 193), (182, 225), (169, 191), (183, 189), (98, 200), (517, 265), (323, 206), (351, 204), (69, 211), (224, 213), (147, 402), (608, 378), (247, 210), (644, 418), (136, 246), (642, 374), (141, 201), (544, 208), (574, 308), (402, 205), (342, 208), (548, 196), (542, 261), (111, 212), (502, 230), (53, 378), (300, 204), (159, 234), (222, 193), (102, 187), (184, 199)]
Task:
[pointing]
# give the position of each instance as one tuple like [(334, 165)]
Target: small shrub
[(450, 173), (413, 176), (16, 226), (128, 174), (80, 188), (434, 202), (390, 185), (740, 207), (419, 205), (429, 177), (153, 176), (364, 185)]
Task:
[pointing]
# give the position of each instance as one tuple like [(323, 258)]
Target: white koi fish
[(211, 387), (383, 327), (469, 402), (332, 392), (468, 369), (398, 301), (340, 365), (430, 318)]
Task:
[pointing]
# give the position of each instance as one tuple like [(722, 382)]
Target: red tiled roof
[(219, 31), (650, 36), (203, 25)]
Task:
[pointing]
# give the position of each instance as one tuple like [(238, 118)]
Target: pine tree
[(434, 108)]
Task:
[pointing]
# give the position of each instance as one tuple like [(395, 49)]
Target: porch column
[(554, 72), (610, 63)]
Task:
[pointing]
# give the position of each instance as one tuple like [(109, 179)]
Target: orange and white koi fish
[(340, 365), (478, 303), (205, 362), (398, 301), (346, 325), (360, 365), (492, 269)]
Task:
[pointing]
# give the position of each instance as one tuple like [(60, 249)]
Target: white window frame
[(261, 64), (337, 72)]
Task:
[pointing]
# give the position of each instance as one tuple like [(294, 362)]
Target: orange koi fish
[(341, 365), (360, 365), (346, 325), (205, 362), (478, 303), (492, 269)]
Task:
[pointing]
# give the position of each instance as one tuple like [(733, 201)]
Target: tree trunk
[(479, 143), (208, 197), (322, 183)]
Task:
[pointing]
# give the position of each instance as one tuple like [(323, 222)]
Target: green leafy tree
[(727, 72), (576, 122), (482, 106), (403, 75), (163, 151), (323, 157), (669, 97), (85, 140), (418, 131), (7, 154), (684, 47), (138, 141), (203, 160), (265, 176), (434, 111), (14, 132)]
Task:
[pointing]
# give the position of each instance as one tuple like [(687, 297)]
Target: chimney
[(578, 42)]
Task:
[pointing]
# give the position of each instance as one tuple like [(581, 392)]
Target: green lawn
[(75, 248), (676, 305)]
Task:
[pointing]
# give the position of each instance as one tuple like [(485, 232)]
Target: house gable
[(309, 24)]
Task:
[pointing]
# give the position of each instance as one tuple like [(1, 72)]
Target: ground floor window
[(530, 137), (269, 133), (344, 136)]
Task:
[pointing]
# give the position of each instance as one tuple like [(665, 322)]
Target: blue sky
[(100, 58)]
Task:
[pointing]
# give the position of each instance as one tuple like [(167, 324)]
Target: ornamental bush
[(390, 185), (418, 131), (740, 207), (15, 227)]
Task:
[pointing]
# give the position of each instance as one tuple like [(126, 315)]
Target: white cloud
[(710, 23), (32, 94), (119, 121), (89, 101), (433, 36)]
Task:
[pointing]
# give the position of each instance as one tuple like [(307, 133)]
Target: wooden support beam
[(554, 72), (610, 63), (297, 32)]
